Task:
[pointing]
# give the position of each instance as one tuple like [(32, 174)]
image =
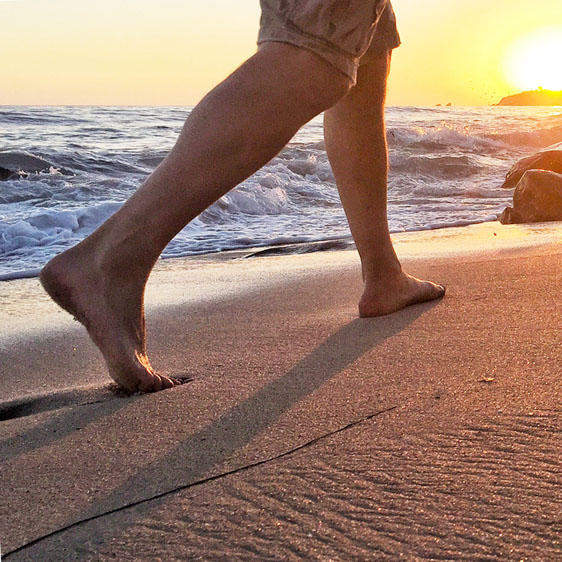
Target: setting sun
[(534, 60)]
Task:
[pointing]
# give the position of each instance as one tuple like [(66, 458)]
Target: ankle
[(383, 275), (116, 261)]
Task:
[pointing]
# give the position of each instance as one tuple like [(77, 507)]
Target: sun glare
[(534, 60)]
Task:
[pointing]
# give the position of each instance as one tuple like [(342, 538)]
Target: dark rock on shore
[(537, 198), (510, 216), (5, 174), (17, 162), (549, 158)]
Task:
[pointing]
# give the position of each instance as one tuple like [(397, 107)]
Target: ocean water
[(82, 163)]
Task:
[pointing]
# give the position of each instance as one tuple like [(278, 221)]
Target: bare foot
[(111, 309), (394, 294)]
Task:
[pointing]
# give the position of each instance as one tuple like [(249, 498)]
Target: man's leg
[(356, 145), (235, 130)]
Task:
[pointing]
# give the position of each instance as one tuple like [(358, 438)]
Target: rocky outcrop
[(23, 162), (5, 174), (19, 164), (535, 97), (549, 158), (537, 198)]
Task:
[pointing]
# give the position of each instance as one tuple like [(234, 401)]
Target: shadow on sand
[(204, 453)]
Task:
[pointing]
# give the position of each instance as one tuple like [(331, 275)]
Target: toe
[(166, 382), (150, 382)]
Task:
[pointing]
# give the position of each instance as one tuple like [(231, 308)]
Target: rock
[(23, 161), (535, 97), (537, 198), (510, 216), (549, 158), (5, 174)]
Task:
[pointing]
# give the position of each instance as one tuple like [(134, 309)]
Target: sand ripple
[(485, 492)]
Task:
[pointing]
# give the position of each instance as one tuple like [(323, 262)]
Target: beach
[(303, 432), (232, 235)]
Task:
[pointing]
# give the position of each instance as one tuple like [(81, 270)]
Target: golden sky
[(171, 52)]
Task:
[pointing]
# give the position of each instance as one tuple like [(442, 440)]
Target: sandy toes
[(112, 312)]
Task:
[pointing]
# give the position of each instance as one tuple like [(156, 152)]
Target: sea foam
[(78, 165)]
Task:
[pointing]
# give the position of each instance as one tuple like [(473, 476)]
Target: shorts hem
[(343, 62)]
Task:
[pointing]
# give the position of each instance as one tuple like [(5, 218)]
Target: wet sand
[(305, 433)]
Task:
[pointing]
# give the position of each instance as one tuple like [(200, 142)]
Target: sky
[(171, 52)]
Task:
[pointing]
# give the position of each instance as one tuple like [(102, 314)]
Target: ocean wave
[(296, 189), (437, 165), (17, 116), (20, 190), (51, 227), (102, 164), (450, 137), (265, 197), (540, 138), (80, 164)]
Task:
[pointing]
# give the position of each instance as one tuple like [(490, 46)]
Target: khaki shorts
[(344, 32)]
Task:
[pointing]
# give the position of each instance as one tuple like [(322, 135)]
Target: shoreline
[(27, 312), (551, 230)]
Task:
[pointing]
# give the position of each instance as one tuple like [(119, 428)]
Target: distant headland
[(535, 97)]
